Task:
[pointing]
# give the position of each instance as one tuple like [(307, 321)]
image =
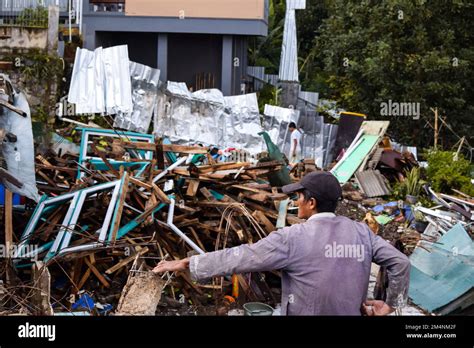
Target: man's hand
[(376, 308), (172, 266)]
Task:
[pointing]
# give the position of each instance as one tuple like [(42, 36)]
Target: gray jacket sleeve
[(269, 253), (398, 270)]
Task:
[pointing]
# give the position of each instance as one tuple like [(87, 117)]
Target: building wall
[(182, 48), (25, 38), (232, 9), (192, 54), (142, 47)]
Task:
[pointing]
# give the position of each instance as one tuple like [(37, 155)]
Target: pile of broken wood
[(110, 214)]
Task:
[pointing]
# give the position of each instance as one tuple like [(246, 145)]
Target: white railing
[(12, 12), (19, 5)]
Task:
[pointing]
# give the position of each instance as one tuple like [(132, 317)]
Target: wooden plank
[(47, 178), (193, 186), (196, 237), (97, 273), (127, 260), (76, 272), (248, 188), (262, 219), (8, 221), (221, 166), (181, 171), (41, 289), (213, 204), (5, 175), (292, 219), (101, 154), (160, 194), (166, 148), (260, 197), (140, 183), (159, 155), (84, 278), (61, 169)]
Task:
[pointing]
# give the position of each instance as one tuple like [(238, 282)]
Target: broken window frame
[(134, 137), (64, 236)]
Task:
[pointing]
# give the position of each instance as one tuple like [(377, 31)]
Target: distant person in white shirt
[(295, 149)]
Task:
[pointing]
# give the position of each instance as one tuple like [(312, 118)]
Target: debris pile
[(107, 204), (126, 201)]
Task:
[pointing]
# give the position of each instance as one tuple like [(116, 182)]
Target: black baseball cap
[(323, 185)]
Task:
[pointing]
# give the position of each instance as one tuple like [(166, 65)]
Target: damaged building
[(164, 35)]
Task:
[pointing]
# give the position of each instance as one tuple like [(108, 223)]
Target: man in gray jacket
[(325, 261)]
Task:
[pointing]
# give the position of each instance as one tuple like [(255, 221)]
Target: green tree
[(405, 51)]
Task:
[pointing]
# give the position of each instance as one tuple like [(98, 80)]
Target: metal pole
[(178, 231), (80, 16), (69, 14)]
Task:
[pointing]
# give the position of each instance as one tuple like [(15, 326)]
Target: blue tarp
[(16, 197), (445, 273)]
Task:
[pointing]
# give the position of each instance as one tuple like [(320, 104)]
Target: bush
[(445, 174), (33, 17)]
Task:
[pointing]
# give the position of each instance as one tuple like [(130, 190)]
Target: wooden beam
[(41, 289), (97, 273), (8, 221), (84, 278), (127, 260), (160, 194), (101, 154), (166, 148), (262, 219), (193, 186), (198, 240), (159, 155), (4, 174)]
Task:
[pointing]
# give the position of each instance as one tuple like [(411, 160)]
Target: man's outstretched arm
[(270, 253)]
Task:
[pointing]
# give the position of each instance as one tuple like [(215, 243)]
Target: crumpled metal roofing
[(289, 50), (372, 183), (207, 117), (145, 82), (20, 155), (276, 120), (442, 272), (100, 81)]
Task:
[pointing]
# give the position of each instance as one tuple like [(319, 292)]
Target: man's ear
[(313, 204)]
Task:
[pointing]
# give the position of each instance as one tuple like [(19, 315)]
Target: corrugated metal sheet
[(442, 272), (101, 81), (271, 79), (297, 4), (289, 51), (145, 81), (309, 97), (372, 183), (259, 76), (276, 121)]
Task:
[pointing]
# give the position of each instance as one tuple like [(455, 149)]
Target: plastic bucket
[(258, 309)]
